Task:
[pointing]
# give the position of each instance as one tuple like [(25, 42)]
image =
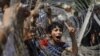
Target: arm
[(8, 18), (36, 9), (74, 43)]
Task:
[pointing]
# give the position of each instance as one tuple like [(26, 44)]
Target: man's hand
[(37, 7)]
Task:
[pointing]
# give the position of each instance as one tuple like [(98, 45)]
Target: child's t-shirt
[(53, 50)]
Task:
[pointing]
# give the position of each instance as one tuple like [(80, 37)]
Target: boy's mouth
[(58, 37)]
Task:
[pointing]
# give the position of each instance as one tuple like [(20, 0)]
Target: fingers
[(70, 28), (66, 24)]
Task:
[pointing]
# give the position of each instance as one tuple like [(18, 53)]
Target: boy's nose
[(59, 32)]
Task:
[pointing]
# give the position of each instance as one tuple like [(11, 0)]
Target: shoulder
[(64, 45)]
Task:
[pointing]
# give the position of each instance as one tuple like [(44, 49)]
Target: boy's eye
[(56, 29)]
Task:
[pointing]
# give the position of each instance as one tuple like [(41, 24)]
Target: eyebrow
[(57, 28)]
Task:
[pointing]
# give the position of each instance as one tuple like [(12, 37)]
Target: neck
[(54, 42)]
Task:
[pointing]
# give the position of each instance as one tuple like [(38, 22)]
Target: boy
[(53, 46)]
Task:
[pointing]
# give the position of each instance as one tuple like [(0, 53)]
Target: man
[(29, 31)]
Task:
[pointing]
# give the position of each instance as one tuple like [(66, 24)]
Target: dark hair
[(54, 25), (3, 3), (23, 12)]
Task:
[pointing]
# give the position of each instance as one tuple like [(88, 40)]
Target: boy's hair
[(54, 25)]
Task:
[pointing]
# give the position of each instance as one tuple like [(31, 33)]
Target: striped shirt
[(55, 50)]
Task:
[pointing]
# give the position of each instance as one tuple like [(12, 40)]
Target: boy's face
[(56, 34)]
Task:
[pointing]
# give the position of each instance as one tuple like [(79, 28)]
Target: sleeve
[(44, 42)]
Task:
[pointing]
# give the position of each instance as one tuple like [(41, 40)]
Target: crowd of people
[(43, 33)]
